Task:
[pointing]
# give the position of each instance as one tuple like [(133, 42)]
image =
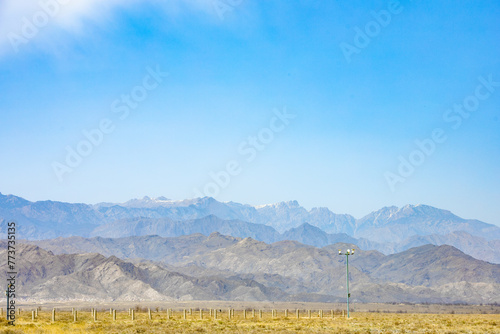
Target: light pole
[(347, 253)]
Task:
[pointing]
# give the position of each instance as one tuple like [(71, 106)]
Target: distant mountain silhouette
[(388, 230)]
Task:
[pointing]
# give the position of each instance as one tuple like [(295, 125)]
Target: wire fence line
[(133, 314)]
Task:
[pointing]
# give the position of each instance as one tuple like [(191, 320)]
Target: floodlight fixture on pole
[(347, 253)]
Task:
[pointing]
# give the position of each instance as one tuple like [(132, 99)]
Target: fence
[(186, 314)]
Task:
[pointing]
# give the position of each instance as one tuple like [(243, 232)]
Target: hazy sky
[(353, 105)]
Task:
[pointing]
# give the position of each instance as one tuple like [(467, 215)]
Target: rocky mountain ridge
[(296, 271)]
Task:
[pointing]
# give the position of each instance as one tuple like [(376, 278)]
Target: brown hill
[(45, 276), (422, 274)]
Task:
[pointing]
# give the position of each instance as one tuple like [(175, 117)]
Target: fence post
[(190, 311), (229, 313), (309, 313), (75, 316), (53, 315), (286, 313), (201, 314), (215, 314), (133, 315), (260, 314), (298, 312), (95, 315), (184, 314), (253, 313), (32, 315), (114, 315), (333, 314), (149, 313), (244, 313), (169, 313)]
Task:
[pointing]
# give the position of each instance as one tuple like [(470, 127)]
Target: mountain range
[(388, 230), (222, 267), (48, 277)]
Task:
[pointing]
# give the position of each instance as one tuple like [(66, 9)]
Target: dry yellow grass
[(358, 323)]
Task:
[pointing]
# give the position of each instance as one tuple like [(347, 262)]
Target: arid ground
[(366, 318)]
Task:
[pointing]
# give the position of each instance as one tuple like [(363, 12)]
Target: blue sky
[(232, 66)]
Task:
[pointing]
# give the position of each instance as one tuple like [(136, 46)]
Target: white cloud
[(21, 21)]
